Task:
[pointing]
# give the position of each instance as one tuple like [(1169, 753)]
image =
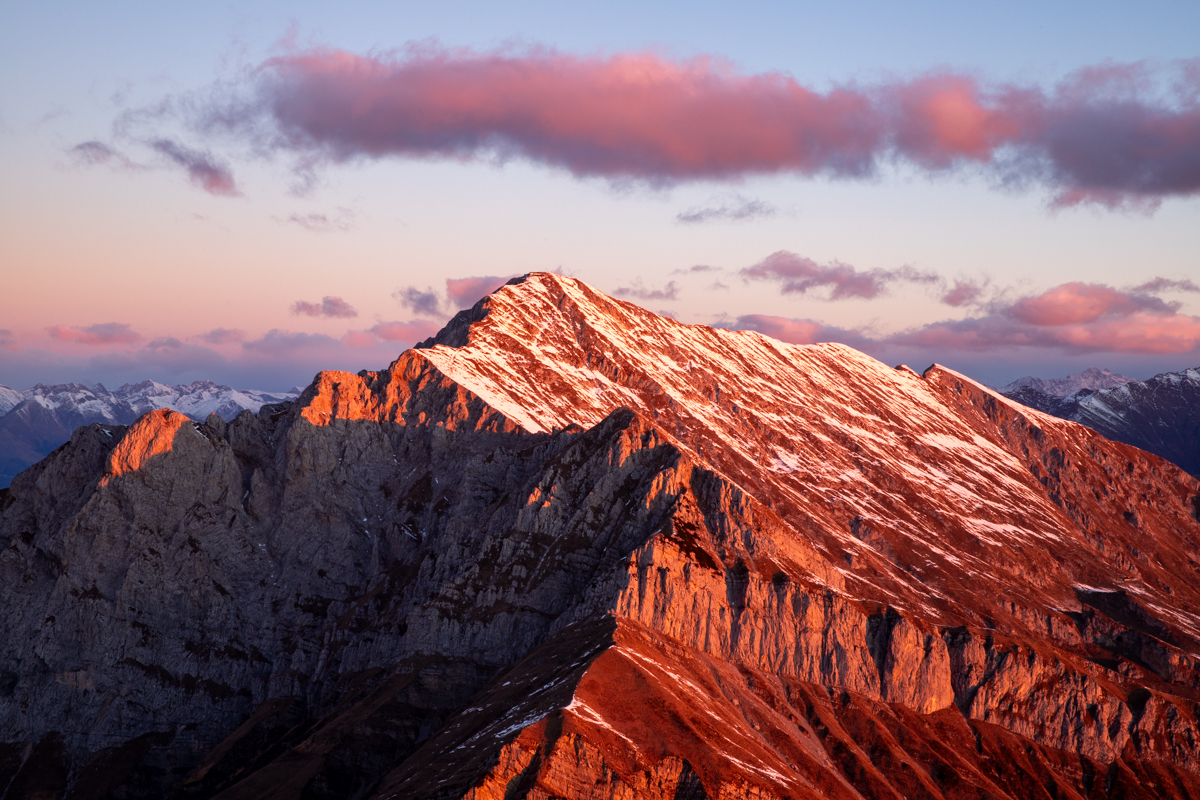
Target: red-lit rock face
[(574, 549)]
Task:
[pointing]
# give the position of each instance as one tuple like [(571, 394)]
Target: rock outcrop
[(569, 548)]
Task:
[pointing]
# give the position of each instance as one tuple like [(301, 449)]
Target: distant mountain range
[(1160, 415), (1092, 378), (36, 421)]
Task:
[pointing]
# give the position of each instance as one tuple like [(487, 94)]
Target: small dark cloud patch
[(328, 307), (338, 221), (796, 274), (223, 336), (964, 293), (639, 292), (425, 303), (203, 170), (95, 153), (727, 208)]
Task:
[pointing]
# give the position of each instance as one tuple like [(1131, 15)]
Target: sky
[(251, 193)]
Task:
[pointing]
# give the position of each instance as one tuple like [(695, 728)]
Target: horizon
[(249, 196)]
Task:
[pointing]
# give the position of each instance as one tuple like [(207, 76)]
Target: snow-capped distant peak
[(9, 398), (1092, 378)]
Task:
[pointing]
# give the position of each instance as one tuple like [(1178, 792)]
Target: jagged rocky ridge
[(1092, 379), (569, 548), (1160, 415), (36, 421)]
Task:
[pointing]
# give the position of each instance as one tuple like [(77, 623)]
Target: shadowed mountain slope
[(569, 548), (1160, 415)]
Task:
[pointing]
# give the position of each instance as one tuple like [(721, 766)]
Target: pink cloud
[(328, 307), (944, 118), (1137, 333), (411, 332), (8, 341), (793, 331), (798, 275), (1073, 303), (101, 334), (1101, 136), (465, 292), (359, 339), (963, 293), (1072, 317)]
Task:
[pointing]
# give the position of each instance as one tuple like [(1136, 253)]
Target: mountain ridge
[(605, 554), (1093, 379)]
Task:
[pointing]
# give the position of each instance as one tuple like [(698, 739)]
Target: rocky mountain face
[(1091, 379), (572, 549), (34, 422), (1161, 415)]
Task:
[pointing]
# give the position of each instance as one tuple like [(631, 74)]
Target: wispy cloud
[(278, 342), (219, 336), (1158, 285), (639, 292), (328, 307), (341, 220), (8, 341), (106, 333), (93, 153), (727, 208), (797, 274), (204, 171)]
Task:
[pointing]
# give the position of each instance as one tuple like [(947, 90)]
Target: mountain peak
[(571, 548), (1092, 378)]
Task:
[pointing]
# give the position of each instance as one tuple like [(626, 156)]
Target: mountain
[(571, 549), (1160, 416), (1091, 378), (34, 422), (9, 398)]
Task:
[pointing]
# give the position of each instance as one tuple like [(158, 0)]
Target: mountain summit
[(570, 548)]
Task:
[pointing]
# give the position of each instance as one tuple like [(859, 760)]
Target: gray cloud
[(328, 307), (727, 208)]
